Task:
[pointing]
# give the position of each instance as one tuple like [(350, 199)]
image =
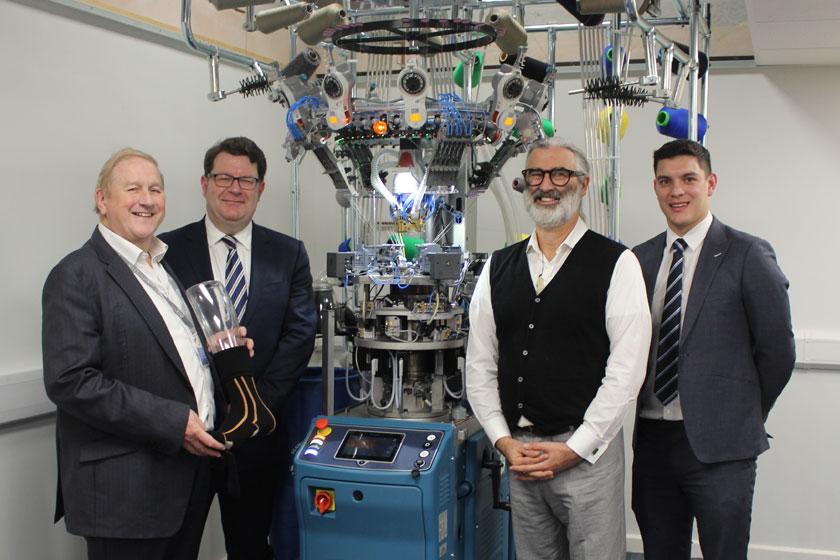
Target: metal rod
[(667, 82), (211, 50), (650, 55), (552, 59), (216, 94), (704, 83), (615, 127), (575, 26), (645, 25), (250, 19), (693, 52), (327, 359), (295, 186)]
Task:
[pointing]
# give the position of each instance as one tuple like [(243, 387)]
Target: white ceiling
[(805, 32), (775, 32)]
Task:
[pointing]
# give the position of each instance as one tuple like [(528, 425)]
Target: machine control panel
[(369, 447)]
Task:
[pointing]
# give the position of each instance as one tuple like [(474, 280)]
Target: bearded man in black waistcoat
[(559, 337)]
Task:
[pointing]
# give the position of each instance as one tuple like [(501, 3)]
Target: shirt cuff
[(586, 444), (496, 430)]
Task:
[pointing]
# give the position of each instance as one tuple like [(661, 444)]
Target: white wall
[(73, 93)]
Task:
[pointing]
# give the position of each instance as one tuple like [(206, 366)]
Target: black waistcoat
[(553, 347)]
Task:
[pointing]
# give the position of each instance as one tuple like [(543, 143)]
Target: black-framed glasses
[(226, 181), (559, 176)]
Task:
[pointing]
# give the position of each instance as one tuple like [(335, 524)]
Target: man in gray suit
[(722, 351), (125, 367)]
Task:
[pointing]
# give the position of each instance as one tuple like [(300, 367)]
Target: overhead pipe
[(214, 51)]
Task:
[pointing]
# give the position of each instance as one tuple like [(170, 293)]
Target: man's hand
[(229, 338), (197, 441), (515, 452), (249, 342), (553, 457)]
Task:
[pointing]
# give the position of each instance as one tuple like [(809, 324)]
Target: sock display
[(247, 414)]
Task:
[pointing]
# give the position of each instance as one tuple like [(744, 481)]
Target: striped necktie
[(668, 354), (235, 278)]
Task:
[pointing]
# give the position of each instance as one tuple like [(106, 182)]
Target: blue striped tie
[(668, 355), (235, 278)]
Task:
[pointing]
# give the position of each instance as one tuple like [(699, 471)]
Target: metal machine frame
[(406, 155)]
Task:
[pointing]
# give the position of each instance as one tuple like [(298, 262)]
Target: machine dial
[(332, 87), (413, 83), (513, 88)]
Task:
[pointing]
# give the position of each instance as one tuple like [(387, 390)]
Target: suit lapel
[(129, 284), (650, 261), (708, 262), (259, 257), (199, 253)]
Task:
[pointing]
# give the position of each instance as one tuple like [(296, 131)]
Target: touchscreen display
[(370, 446)]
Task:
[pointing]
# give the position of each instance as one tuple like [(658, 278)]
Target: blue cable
[(294, 130)]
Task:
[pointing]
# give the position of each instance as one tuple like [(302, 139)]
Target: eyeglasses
[(226, 181), (559, 176)]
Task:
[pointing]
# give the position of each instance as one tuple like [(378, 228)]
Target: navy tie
[(235, 278), (668, 355)]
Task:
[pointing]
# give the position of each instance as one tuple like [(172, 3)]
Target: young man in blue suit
[(268, 275), (722, 350)]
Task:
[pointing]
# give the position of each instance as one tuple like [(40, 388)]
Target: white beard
[(553, 217)]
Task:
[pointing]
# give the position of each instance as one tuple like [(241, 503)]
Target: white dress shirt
[(627, 325), (219, 250), (651, 407), (185, 340)]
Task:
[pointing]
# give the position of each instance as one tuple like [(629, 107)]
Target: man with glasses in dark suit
[(267, 275)]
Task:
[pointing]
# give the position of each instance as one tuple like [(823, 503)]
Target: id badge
[(202, 356)]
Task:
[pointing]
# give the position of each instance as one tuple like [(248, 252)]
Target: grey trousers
[(577, 515)]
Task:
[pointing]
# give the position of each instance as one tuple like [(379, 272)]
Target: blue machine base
[(397, 489)]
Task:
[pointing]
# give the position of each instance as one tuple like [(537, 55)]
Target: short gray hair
[(581, 161)]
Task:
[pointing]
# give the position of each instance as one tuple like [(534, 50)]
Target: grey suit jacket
[(736, 345), (123, 399)]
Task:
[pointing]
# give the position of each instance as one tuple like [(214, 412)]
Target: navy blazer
[(123, 398), (280, 318), (736, 344)]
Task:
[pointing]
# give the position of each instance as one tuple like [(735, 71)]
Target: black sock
[(247, 415)]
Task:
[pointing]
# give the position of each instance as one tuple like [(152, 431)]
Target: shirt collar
[(570, 241), (693, 237), (215, 235), (128, 250)]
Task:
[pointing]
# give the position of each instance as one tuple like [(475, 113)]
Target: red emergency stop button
[(324, 501), (321, 423)]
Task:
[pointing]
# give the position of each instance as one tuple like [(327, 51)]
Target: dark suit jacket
[(280, 318), (123, 399), (736, 345)]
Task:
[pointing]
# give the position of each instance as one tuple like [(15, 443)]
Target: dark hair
[(676, 148), (236, 146)]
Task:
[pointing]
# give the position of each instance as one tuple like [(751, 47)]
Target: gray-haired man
[(559, 337)]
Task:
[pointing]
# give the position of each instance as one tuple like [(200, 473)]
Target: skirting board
[(22, 396), (756, 551)]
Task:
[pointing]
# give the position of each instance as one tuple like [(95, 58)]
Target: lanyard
[(176, 308)]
